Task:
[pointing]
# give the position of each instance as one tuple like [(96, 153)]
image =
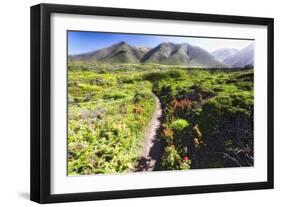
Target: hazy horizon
[(84, 41)]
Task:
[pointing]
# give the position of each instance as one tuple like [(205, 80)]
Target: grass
[(207, 114)]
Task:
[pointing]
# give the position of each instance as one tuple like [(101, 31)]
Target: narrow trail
[(152, 145)]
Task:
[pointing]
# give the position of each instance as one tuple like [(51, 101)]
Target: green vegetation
[(179, 125), (207, 116), (107, 116)]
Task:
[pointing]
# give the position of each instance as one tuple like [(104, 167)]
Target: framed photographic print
[(132, 103)]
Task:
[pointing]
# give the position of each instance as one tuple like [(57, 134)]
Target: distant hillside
[(168, 53), (181, 54), (223, 53), (242, 58)]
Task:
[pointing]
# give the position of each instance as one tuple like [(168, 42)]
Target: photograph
[(153, 102), (132, 103)]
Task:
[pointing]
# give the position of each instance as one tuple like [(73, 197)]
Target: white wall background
[(14, 102)]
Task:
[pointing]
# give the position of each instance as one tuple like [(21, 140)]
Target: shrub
[(184, 103), (168, 133), (139, 96), (138, 110), (172, 160), (179, 124), (115, 95), (157, 76), (127, 80)]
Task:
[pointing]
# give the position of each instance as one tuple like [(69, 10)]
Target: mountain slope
[(244, 57), (181, 54), (223, 53), (166, 53), (117, 53)]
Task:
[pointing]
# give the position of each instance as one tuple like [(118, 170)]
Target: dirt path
[(151, 151)]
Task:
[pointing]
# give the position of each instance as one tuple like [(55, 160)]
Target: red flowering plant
[(185, 158), (186, 163)]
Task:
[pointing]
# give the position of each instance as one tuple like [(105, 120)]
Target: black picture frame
[(41, 99)]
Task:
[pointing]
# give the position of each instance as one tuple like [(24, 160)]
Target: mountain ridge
[(243, 58), (167, 53)]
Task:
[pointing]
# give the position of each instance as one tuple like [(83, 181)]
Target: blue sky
[(81, 41)]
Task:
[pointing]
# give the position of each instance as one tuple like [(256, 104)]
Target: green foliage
[(115, 95), (111, 105), (104, 133), (179, 125), (219, 103), (157, 76), (172, 160)]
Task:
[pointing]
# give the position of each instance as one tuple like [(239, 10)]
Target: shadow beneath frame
[(24, 195)]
